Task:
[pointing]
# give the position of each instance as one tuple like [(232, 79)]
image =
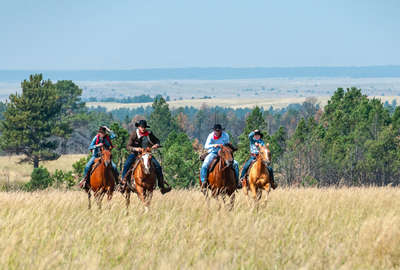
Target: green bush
[(40, 179), (62, 179), (79, 166)]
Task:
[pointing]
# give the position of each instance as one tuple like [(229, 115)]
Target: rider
[(139, 139), (101, 139), (214, 141), (255, 138)]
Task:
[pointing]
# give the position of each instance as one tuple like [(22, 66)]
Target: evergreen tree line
[(352, 141)]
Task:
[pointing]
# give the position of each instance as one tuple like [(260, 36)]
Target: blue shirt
[(210, 141), (253, 147), (101, 140)]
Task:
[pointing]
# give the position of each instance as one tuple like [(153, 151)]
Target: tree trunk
[(35, 162)]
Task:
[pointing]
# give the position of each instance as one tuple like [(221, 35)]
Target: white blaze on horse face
[(146, 162)]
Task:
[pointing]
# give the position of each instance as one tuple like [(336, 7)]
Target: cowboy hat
[(142, 123), (218, 127)]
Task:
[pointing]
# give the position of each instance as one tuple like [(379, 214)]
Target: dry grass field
[(235, 103), (12, 171), (348, 228)]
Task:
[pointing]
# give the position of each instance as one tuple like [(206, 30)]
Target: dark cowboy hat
[(142, 123), (102, 129), (258, 132), (218, 127)]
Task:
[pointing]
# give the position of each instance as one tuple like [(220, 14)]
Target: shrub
[(40, 179), (79, 166), (63, 179)]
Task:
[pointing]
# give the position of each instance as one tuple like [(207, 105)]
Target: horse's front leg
[(89, 200), (127, 199), (231, 201), (149, 196)]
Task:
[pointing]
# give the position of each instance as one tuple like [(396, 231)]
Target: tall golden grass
[(348, 228), (13, 171)]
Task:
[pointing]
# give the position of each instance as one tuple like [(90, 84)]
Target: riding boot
[(239, 184), (274, 185), (85, 182), (161, 182)]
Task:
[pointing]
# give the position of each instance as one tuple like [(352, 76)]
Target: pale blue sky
[(122, 34)]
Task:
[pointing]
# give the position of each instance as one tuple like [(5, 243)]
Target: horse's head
[(226, 154), (146, 160), (265, 153), (106, 156)]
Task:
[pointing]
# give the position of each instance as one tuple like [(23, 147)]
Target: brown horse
[(143, 177), (222, 180), (102, 179), (259, 177)]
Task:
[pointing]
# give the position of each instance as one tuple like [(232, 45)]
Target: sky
[(130, 34)]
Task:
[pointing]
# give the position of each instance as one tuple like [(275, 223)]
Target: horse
[(259, 177), (102, 179), (222, 179), (143, 177)]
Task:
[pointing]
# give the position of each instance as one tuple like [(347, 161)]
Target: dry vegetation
[(356, 228), (235, 103), (12, 171)]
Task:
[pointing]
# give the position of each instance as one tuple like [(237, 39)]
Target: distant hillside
[(204, 73)]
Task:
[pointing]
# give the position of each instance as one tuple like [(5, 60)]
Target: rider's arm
[(208, 144), (93, 144), (154, 139), (130, 145), (112, 135), (251, 137), (225, 138)]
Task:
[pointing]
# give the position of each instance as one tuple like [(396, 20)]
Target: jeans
[(128, 163), (89, 164), (158, 169), (246, 166), (206, 163)]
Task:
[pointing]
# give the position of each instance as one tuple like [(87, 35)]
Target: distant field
[(266, 103), (12, 171), (348, 228), (265, 88)]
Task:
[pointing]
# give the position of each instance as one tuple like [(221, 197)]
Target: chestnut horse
[(102, 179), (259, 177), (143, 177), (222, 180)]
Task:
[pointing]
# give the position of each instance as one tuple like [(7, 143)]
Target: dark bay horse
[(102, 179), (222, 180), (259, 177), (143, 178)]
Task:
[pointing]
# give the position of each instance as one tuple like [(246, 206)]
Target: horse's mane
[(230, 146)]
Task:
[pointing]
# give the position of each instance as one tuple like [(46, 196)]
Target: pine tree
[(161, 120), (180, 161), (119, 152), (33, 121)]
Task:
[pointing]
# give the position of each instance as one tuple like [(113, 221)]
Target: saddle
[(212, 165), (96, 163), (128, 175)]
